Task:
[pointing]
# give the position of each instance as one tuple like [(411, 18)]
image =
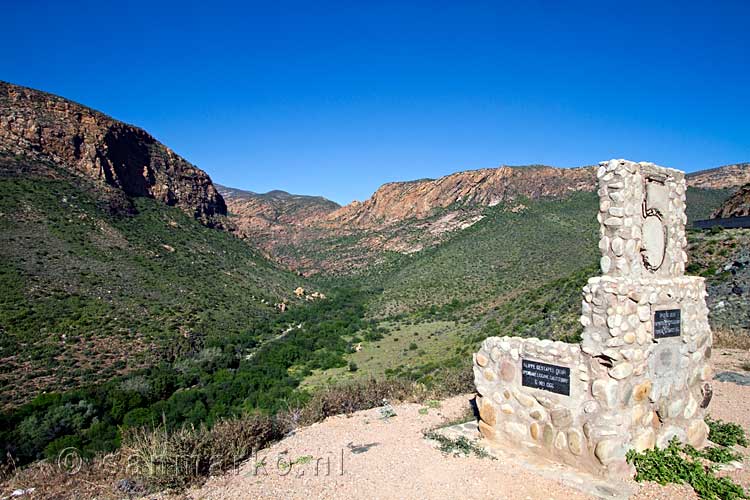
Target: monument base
[(640, 376)]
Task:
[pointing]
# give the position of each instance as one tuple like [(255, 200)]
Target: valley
[(139, 294)]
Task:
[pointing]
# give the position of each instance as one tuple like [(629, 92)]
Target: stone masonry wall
[(640, 375), (642, 220)]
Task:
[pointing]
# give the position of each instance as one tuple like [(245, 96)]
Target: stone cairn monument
[(641, 375)]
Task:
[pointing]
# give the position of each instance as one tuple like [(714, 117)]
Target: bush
[(348, 398), (52, 450), (175, 459), (675, 464), (450, 381), (726, 433)]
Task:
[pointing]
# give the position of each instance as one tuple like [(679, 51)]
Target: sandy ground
[(364, 456)]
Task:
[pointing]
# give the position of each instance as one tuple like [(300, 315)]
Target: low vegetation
[(162, 458), (726, 433), (216, 382), (460, 446), (159, 456), (678, 463)]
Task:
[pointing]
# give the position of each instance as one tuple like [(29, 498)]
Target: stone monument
[(641, 374)]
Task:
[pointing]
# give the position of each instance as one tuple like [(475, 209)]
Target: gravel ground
[(390, 459), (399, 463)]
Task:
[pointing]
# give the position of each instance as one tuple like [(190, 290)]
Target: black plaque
[(550, 378), (667, 323)]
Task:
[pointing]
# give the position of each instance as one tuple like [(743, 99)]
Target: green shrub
[(52, 451), (726, 433), (677, 464)]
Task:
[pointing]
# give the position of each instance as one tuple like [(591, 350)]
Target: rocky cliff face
[(397, 201), (42, 126), (738, 205), (728, 176)]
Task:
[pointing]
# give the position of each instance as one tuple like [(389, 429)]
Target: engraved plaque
[(544, 376), (667, 323)]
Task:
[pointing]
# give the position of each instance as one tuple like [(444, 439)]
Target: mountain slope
[(81, 140), (262, 218), (105, 268), (397, 201), (504, 253), (728, 176), (89, 294), (738, 205), (277, 206)]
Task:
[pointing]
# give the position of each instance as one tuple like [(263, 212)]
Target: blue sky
[(337, 98)]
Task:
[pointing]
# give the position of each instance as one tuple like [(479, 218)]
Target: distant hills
[(407, 217), (728, 176)]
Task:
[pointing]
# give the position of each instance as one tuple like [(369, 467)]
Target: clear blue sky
[(338, 98)]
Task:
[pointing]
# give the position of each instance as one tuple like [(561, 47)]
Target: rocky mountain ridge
[(396, 201), (45, 127), (407, 217), (401, 217), (727, 176), (738, 205)]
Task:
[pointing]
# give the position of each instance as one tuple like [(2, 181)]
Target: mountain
[(128, 302), (279, 206), (264, 218), (396, 201), (728, 176), (45, 127), (313, 236), (104, 268), (738, 205)]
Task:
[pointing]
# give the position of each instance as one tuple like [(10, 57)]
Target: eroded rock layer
[(46, 127)]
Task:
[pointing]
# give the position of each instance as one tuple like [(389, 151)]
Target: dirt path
[(365, 456)]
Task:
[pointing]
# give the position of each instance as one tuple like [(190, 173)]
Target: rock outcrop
[(46, 127), (738, 205), (397, 201), (728, 176)]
